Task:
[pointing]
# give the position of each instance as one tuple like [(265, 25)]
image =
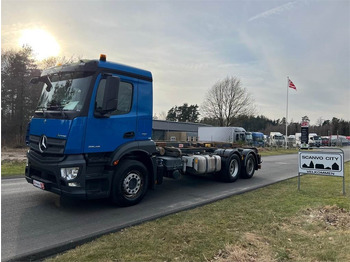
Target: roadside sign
[(304, 134), (321, 163), (328, 162)]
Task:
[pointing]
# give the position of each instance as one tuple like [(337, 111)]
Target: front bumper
[(93, 182)]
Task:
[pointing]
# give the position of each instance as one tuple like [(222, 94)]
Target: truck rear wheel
[(231, 169), (249, 168), (130, 183)]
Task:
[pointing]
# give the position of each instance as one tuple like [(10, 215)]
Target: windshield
[(68, 92), (258, 138), (242, 137), (249, 137)]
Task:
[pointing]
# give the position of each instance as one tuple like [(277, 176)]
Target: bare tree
[(162, 115), (227, 100)]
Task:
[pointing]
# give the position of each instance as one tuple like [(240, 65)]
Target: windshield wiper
[(58, 108), (63, 113), (43, 109)]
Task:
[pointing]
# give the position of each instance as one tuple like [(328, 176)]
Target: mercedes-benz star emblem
[(42, 143)]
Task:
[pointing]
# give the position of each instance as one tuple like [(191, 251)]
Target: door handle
[(129, 134)]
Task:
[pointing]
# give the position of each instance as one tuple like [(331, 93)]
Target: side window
[(124, 99), (125, 93)]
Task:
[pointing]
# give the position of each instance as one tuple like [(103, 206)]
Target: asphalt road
[(39, 223)]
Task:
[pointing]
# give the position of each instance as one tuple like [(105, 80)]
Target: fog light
[(74, 184), (69, 173)]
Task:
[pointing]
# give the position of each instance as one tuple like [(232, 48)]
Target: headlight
[(69, 173)]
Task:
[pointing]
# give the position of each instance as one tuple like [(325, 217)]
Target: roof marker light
[(103, 57)]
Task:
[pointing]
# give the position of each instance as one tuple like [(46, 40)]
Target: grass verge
[(275, 223), (12, 168), (267, 151)]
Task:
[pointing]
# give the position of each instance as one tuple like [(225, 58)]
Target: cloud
[(190, 45), (275, 11)]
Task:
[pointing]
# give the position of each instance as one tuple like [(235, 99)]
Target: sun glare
[(43, 43)]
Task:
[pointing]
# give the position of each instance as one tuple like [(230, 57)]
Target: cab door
[(105, 133)]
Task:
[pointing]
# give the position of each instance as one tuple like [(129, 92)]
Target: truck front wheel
[(130, 183), (231, 169)]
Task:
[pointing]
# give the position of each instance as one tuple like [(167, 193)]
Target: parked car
[(325, 140), (337, 140)]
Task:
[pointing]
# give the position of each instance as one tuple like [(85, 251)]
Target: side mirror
[(110, 96), (43, 79)]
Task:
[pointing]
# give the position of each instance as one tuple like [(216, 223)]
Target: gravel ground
[(18, 154)]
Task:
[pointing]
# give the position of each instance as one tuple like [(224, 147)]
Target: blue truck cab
[(258, 139), (93, 117)]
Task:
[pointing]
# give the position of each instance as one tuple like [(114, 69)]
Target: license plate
[(38, 184)]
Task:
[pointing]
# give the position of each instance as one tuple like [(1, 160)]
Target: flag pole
[(286, 139)]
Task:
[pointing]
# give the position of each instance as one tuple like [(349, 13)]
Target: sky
[(190, 45)]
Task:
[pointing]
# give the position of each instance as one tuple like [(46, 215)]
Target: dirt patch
[(13, 154), (253, 248), (332, 216)]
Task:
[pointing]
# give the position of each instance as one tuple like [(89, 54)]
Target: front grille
[(55, 147), (46, 158)]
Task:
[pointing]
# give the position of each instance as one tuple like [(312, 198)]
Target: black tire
[(249, 167), (231, 169), (130, 183)]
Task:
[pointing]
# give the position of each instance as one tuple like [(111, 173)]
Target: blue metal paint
[(55, 128), (76, 137)]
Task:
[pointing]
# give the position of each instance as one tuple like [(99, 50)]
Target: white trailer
[(221, 134)]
